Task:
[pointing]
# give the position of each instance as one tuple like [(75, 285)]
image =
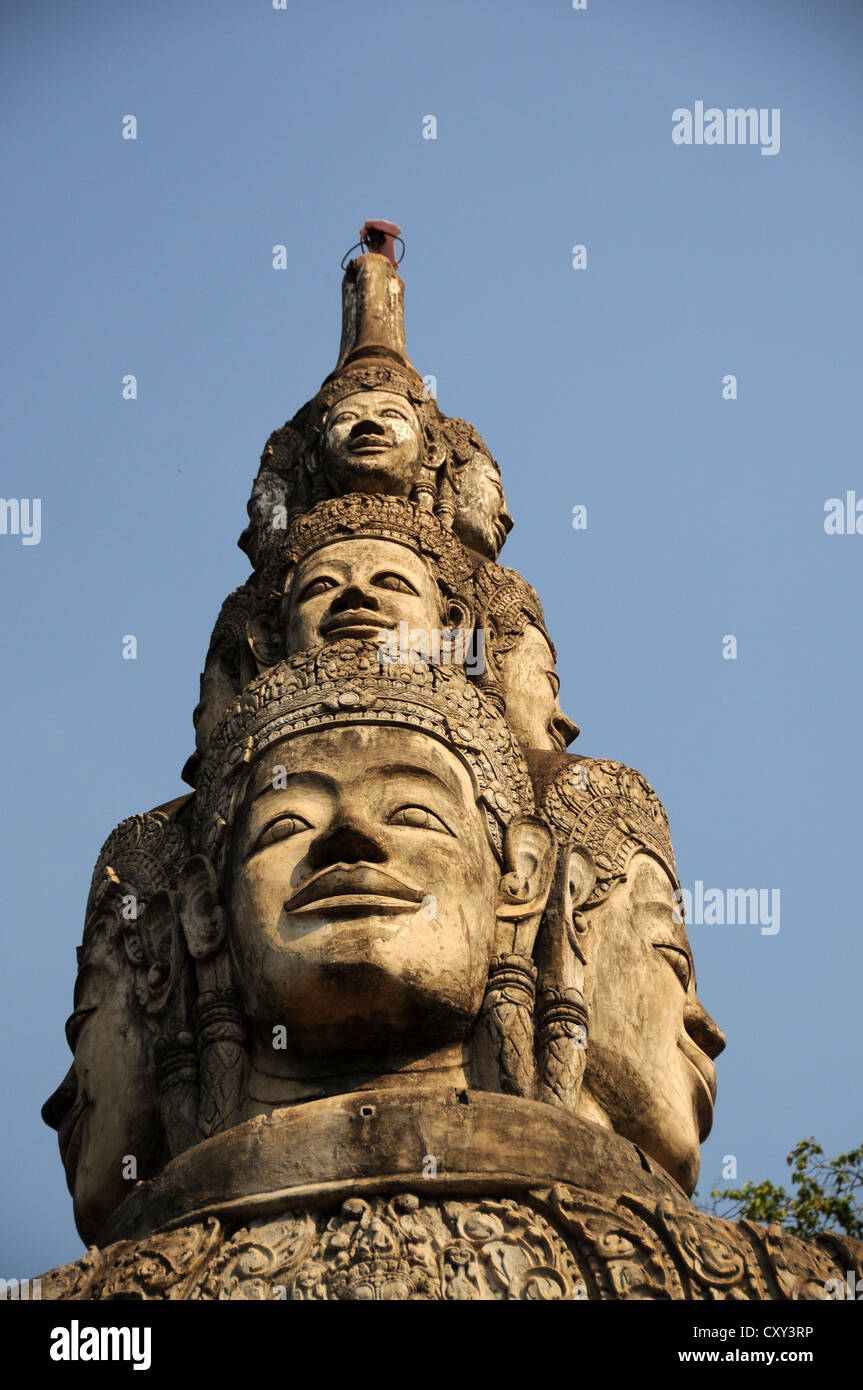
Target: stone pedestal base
[(433, 1196)]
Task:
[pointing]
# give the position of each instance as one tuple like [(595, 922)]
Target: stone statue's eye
[(396, 414), (317, 586), (677, 959), (281, 829), (419, 818), (394, 581)]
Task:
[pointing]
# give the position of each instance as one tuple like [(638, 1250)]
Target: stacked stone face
[(398, 1002)]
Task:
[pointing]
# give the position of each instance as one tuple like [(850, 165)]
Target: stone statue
[(398, 1003)]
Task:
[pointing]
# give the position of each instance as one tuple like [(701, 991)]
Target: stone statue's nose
[(354, 597), (366, 427), (58, 1105), (702, 1029), (348, 842), (565, 728)]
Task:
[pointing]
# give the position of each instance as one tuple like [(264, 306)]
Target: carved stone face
[(531, 687), (363, 891), (373, 443), (482, 521), (357, 588), (651, 1043), (107, 1107)]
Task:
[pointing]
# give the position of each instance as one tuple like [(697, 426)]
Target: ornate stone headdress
[(505, 605), (229, 635), (381, 518), (611, 810), (345, 683), (142, 856)]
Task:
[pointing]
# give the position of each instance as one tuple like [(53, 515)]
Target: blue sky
[(600, 387)]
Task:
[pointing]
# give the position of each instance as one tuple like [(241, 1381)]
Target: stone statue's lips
[(353, 886), (354, 622), (706, 1073), (369, 444)]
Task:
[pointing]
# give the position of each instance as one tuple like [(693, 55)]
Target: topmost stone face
[(374, 428)]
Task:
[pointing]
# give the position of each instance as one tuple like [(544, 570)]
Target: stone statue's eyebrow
[(421, 774), (318, 780)]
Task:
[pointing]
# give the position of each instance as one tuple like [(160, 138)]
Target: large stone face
[(399, 1003)]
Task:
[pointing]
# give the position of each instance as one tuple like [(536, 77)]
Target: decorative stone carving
[(566, 1244), (231, 660)]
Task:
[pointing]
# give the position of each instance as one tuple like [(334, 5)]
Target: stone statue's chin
[(372, 1005), (363, 975), (666, 1120), (386, 470)]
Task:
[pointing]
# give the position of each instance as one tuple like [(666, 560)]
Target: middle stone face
[(359, 587), (363, 891)]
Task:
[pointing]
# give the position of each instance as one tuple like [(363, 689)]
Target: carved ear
[(265, 641), (160, 937), (581, 872), (435, 452), (458, 613), (529, 855), (158, 926), (200, 913)]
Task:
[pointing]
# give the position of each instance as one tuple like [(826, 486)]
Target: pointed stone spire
[(373, 314)]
